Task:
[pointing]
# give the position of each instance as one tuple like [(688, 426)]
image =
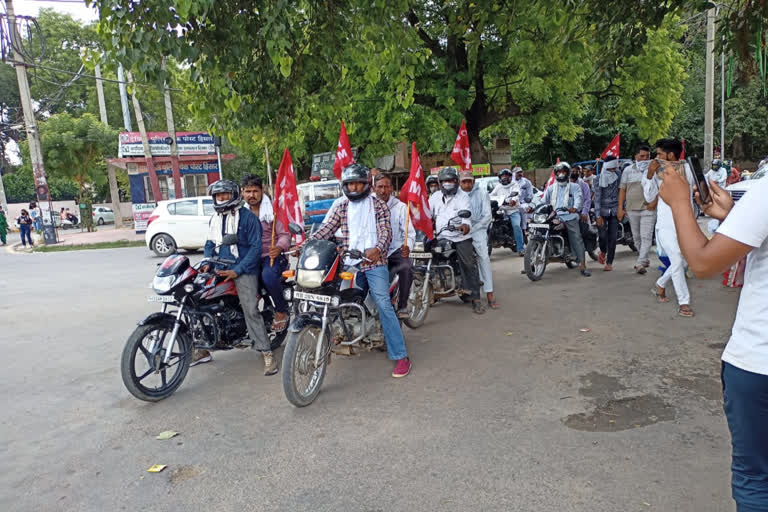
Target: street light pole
[(709, 89)]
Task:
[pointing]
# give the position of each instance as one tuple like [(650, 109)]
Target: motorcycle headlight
[(540, 218), (438, 249), (163, 284), (310, 278), (418, 246)]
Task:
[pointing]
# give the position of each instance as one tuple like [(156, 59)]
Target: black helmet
[(562, 166), (432, 179), (447, 174), (223, 187), (356, 173), (716, 164), (505, 176)]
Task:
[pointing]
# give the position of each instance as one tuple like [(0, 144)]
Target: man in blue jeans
[(501, 194), (365, 225)]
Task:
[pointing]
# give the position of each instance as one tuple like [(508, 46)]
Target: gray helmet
[(431, 179), (447, 174), (223, 187), (562, 166), (356, 173), (717, 163), (505, 176)]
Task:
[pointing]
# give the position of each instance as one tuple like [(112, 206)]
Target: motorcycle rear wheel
[(301, 380), (135, 348), (417, 310), (534, 262)]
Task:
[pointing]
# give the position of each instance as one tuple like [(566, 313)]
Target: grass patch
[(83, 247)]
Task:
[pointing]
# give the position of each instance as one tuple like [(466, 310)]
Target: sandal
[(685, 313), (662, 297), (477, 307), (279, 325), (493, 304), (641, 270)]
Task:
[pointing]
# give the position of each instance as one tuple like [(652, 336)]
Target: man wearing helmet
[(501, 194), (525, 187), (564, 194), (718, 174), (364, 225), (230, 219), (446, 204), (432, 185)]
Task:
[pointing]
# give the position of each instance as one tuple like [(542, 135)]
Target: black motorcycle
[(500, 232), (548, 241), (200, 311)]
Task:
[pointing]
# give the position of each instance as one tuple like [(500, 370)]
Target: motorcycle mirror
[(230, 239), (295, 229), (465, 214)]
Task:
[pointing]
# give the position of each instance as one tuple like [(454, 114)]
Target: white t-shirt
[(748, 223), (443, 210)]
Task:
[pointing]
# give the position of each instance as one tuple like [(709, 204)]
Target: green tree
[(285, 73)]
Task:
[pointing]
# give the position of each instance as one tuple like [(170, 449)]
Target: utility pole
[(722, 102), (172, 134), (3, 199), (33, 134), (709, 89), (124, 98), (114, 192), (269, 170), (153, 181)]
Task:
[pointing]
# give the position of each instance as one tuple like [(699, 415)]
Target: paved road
[(516, 410)]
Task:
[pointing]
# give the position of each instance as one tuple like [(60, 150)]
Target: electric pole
[(176, 173), (709, 89), (114, 192), (153, 180), (33, 134), (124, 98), (722, 102)]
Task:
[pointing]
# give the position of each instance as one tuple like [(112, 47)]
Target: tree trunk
[(479, 154), (737, 152)]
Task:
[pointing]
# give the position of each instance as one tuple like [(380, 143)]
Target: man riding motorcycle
[(500, 194), (232, 218), (432, 184), (364, 224)]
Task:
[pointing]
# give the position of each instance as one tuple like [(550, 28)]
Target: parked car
[(739, 189), (103, 215), (316, 198), (179, 224)]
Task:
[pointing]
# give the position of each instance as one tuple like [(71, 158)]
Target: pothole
[(622, 414)]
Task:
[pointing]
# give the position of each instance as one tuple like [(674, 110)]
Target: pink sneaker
[(402, 368)]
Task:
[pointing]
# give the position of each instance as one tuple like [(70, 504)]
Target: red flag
[(414, 193), (613, 148), (286, 203), (461, 154), (682, 155), (343, 153), (552, 179)]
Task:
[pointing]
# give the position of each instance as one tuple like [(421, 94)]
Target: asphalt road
[(516, 410)]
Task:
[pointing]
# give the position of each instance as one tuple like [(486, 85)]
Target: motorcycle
[(200, 310), (548, 241), (500, 232), (436, 273), (335, 312)]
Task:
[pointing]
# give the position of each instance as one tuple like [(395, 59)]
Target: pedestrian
[(24, 221), (744, 367), (480, 205), (589, 177), (606, 211), (3, 226), (36, 215), (668, 153), (642, 214)]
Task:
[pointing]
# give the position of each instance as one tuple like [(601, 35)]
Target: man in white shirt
[(718, 174), (669, 150), (744, 232), (506, 186), (481, 218), (397, 255), (446, 204)]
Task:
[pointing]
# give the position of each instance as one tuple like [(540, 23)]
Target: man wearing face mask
[(446, 204), (501, 194), (432, 184), (525, 188), (563, 194)]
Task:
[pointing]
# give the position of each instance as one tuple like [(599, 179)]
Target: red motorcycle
[(200, 310)]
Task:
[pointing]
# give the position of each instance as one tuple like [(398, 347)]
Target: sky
[(76, 8)]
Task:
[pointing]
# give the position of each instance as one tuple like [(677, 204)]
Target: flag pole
[(407, 221), (271, 259)]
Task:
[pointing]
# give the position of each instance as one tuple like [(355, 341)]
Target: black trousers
[(404, 270), (608, 234), (468, 267)]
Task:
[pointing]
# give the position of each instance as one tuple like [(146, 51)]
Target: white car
[(179, 224), (739, 189), (103, 215)]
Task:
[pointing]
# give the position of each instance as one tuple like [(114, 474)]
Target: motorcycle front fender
[(305, 319), (159, 318)]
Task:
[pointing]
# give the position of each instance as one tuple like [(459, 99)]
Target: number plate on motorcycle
[(160, 298), (326, 299), (421, 255), (538, 225)]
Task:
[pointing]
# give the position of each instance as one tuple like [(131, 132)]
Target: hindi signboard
[(141, 214), (188, 143)]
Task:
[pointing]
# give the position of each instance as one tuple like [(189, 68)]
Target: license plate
[(325, 299), (421, 255), (160, 298), (545, 226)]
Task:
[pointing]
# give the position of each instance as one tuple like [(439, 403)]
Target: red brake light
[(151, 218), (314, 178)]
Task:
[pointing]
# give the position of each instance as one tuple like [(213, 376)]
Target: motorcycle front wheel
[(417, 307), (535, 261), (144, 372), (301, 379)]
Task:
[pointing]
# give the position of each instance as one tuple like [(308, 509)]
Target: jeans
[(574, 237), (271, 278), (248, 292), (404, 270), (517, 228), (378, 284), (642, 223), (468, 267), (745, 400), (666, 238), (608, 234), (25, 230), (480, 243)]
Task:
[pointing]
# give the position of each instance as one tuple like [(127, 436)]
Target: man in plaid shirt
[(364, 222)]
